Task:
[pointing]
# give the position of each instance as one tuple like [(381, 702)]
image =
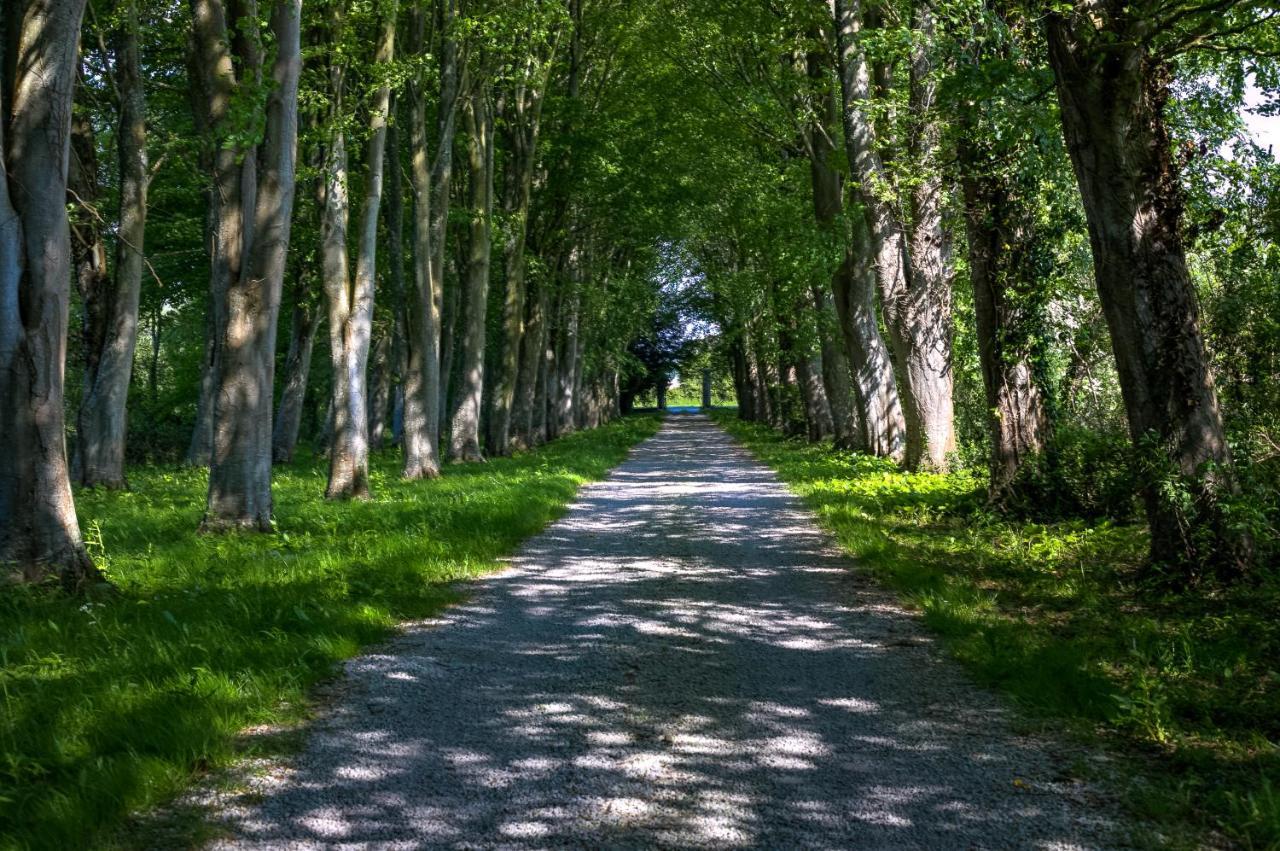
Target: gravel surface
[(683, 661)]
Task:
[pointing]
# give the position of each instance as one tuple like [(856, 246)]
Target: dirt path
[(682, 661)]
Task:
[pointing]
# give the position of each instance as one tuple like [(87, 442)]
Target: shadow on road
[(682, 661)]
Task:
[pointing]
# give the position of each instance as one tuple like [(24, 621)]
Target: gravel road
[(683, 661)]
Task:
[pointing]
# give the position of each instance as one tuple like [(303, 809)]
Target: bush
[(1081, 474)]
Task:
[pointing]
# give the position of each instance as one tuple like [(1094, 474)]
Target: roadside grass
[(116, 703), (1185, 689)]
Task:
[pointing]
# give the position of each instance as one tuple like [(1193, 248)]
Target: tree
[(1111, 63), (111, 304), (39, 532), (351, 298), (252, 215), (912, 268), (1007, 163), (519, 111), (464, 441)]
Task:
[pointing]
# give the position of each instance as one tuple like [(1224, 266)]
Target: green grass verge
[(1185, 689), (110, 705)]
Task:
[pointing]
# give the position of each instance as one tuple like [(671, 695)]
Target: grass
[(115, 704), (1185, 690)]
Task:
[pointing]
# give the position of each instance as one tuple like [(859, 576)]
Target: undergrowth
[(1185, 688), (115, 703)]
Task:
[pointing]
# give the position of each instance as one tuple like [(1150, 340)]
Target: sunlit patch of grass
[(1054, 615), (111, 704)]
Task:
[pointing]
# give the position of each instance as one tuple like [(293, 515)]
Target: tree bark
[(544, 389), (1003, 248), (351, 297), (911, 264), (522, 122), (39, 533), (422, 309), (201, 445), (297, 371), (102, 422), (828, 203), (394, 206), (532, 343), (240, 468), (379, 391), (567, 345), (464, 437), (1112, 92), (451, 71)]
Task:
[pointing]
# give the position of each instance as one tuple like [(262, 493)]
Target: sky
[(1264, 128)]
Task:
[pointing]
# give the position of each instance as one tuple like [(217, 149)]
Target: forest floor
[(684, 660), (111, 704), (1182, 690)]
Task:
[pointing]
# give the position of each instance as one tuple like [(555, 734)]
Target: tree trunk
[(532, 344), (297, 370), (351, 298), (422, 310), (394, 207), (442, 184), (201, 445), (1003, 248), (857, 370), (837, 381), (915, 294), (797, 363), (464, 437), (1112, 95), (240, 468), (379, 391), (88, 251), (543, 391), (523, 123), (744, 389), (102, 423), (39, 533), (567, 350)]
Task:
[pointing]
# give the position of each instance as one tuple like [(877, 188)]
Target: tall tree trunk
[(858, 372), (533, 343), (394, 207), (240, 468), (451, 72), (544, 389), (567, 348), (297, 371), (102, 422), (915, 294), (88, 250), (884, 428), (39, 533), (1003, 249), (422, 309), (744, 388), (1112, 92), (351, 298), (464, 436), (379, 390), (797, 365), (767, 408), (846, 417), (523, 119), (201, 445)]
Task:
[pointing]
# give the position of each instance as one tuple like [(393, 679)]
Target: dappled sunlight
[(681, 661)]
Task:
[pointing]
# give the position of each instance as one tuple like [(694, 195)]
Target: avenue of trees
[(1023, 235)]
